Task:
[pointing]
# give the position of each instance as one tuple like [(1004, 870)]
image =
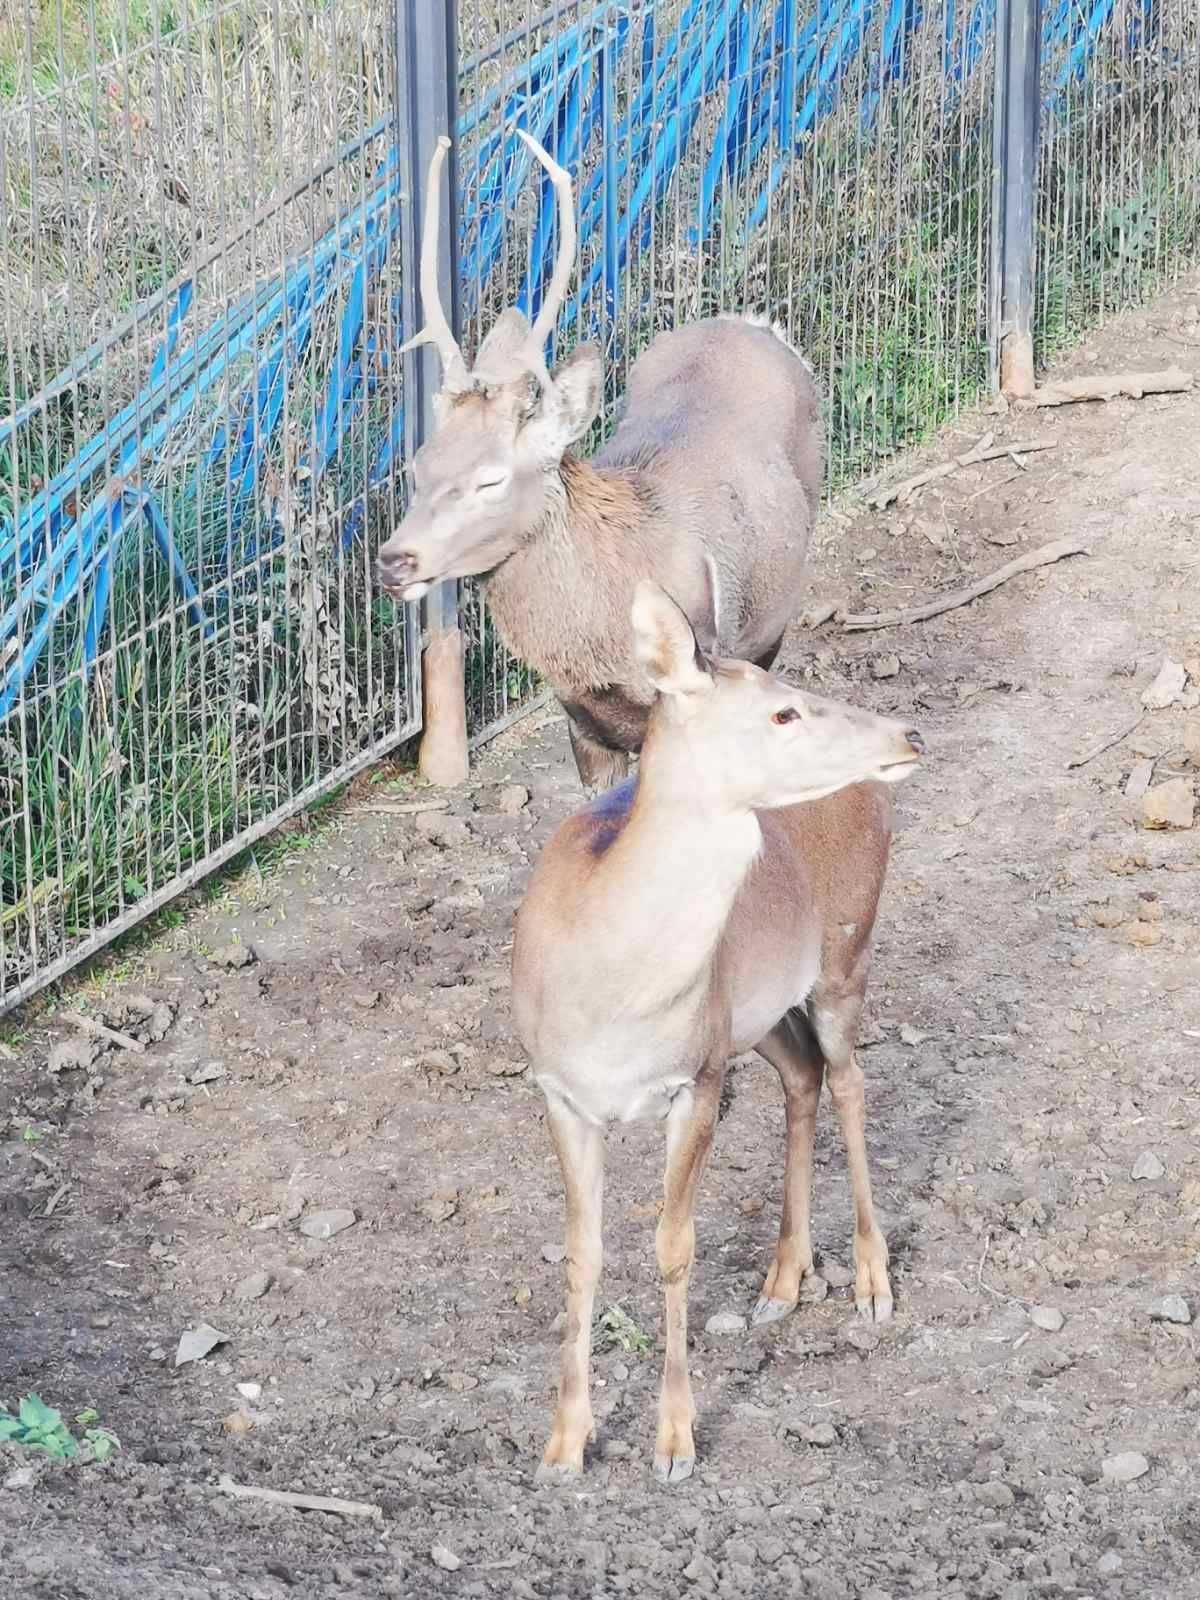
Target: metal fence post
[(1014, 192), (426, 108)]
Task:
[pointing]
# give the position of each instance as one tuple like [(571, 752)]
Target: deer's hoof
[(769, 1310), (875, 1308), (673, 1469)]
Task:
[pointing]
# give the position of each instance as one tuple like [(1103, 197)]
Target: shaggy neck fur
[(561, 600)]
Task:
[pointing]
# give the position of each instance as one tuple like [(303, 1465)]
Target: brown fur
[(718, 450)]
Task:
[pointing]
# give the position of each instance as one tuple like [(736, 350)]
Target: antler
[(437, 330), (561, 276)]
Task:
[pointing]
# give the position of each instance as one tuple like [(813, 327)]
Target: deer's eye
[(487, 484), (788, 714)]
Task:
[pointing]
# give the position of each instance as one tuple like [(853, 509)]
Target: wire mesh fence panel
[(1119, 186), (197, 403)]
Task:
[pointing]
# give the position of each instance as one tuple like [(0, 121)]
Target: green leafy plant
[(615, 1329), (38, 1426)]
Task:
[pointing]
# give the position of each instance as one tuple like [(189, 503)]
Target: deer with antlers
[(717, 454)]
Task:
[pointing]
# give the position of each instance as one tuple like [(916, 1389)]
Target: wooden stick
[(1105, 744), (99, 1031), (983, 451), (402, 808), (1131, 385), (1042, 557), (300, 1502)]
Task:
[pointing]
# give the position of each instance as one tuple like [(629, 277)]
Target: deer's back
[(727, 412)]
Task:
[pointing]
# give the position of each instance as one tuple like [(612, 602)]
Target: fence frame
[(426, 93), (1017, 126)]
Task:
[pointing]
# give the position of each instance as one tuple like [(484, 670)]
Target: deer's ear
[(708, 625), (570, 405), (665, 645), (503, 350)]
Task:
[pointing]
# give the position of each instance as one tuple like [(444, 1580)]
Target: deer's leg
[(835, 1017), (580, 1149), (599, 766), (690, 1125), (792, 1049)]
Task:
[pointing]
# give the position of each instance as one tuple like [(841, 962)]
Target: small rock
[(440, 1207), (250, 1391), (1167, 686), (461, 1382), (1047, 1317), (620, 1372), (1143, 934), (813, 1289), (512, 799), (234, 955), (724, 1322), (1141, 775), (1109, 1564), (522, 1294), (836, 1275), (1172, 1308), (22, 1478), (442, 830), (439, 1061), (821, 1434), (751, 1205), (503, 1067), (1191, 740), (994, 1494), (912, 1036), (885, 667), (365, 999), (1147, 1168), (253, 1287), (442, 1556), (862, 1336), (1169, 805), (554, 1253), (1124, 1468), (1108, 915), (324, 1224), (197, 1342), (238, 1423), (208, 1072), (72, 1055)]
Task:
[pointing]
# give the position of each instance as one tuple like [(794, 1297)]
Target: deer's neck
[(661, 896), (561, 600)]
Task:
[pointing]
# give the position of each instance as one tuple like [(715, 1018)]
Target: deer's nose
[(913, 735), (396, 567)]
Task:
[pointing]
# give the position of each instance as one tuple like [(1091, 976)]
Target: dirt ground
[(1032, 1054)]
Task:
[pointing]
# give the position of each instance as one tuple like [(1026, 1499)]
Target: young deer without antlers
[(717, 454), (722, 901)]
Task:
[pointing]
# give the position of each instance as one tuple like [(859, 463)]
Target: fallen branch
[(1130, 385), (861, 621), (1105, 744), (299, 1502), (983, 451), (97, 1030), (402, 808)]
